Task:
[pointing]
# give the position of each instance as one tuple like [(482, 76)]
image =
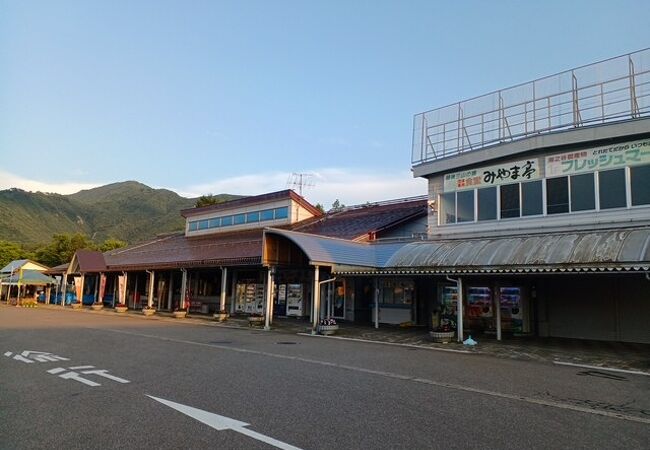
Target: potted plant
[(255, 319), (148, 310), (180, 313), (221, 315), (443, 333), (327, 327), (96, 306), (121, 308)]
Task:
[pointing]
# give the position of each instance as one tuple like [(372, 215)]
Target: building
[(540, 195)]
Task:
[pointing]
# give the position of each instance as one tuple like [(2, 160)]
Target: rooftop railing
[(612, 90)]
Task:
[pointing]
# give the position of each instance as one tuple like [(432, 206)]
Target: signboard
[(601, 158), (505, 173)]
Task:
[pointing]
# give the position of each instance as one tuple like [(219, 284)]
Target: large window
[(532, 203), (509, 200), (465, 206), (448, 208), (612, 189), (557, 195), (640, 185), (583, 194), (487, 203), (240, 219)]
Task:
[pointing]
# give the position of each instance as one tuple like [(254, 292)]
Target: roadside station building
[(540, 205)]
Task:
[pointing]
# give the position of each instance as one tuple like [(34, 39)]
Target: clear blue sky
[(234, 96)]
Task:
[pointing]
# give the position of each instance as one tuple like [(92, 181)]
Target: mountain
[(129, 211)]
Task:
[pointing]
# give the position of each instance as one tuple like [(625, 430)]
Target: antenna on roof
[(300, 181)]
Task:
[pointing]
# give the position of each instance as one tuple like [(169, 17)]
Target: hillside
[(129, 211)]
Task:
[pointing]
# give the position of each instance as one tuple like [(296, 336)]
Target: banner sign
[(102, 287), (121, 289), (78, 288), (493, 175), (601, 158)]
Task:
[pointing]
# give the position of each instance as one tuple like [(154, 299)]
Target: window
[(611, 188), (640, 185), (282, 213), (238, 219), (509, 200), (203, 224), (215, 223), (531, 198), (583, 197), (447, 208), (267, 214), (226, 221), (465, 206), (487, 203), (253, 217), (194, 226), (557, 195)]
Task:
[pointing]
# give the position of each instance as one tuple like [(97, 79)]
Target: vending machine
[(294, 300)]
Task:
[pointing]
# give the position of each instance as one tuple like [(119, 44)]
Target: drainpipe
[(459, 309)]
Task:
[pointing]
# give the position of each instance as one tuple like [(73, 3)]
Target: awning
[(28, 278), (593, 251)]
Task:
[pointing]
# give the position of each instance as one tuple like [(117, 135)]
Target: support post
[(375, 285), (95, 298), (181, 304), (498, 313), (83, 282), (170, 294), (48, 291), (269, 298), (224, 279), (151, 284), (459, 319), (315, 301)]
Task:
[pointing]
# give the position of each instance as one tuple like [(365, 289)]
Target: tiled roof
[(357, 223), (90, 261), (254, 200), (236, 248)]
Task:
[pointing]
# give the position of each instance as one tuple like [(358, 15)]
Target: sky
[(235, 96)]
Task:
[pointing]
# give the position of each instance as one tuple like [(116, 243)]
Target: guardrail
[(612, 90)]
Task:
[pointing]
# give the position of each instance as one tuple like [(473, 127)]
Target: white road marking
[(8, 353), (56, 370), (221, 423), (532, 400), (611, 369), (81, 367), (75, 376), (37, 357), (104, 373)]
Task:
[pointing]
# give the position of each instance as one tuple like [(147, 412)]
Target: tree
[(111, 244), (320, 207), (62, 248), (10, 251), (207, 200), (337, 205)]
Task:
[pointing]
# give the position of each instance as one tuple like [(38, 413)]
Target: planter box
[(327, 330), (179, 314), (76, 305), (97, 306), (220, 317), (121, 309), (149, 312), (255, 321), (442, 336)]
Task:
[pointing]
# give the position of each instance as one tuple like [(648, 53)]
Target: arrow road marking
[(221, 423)]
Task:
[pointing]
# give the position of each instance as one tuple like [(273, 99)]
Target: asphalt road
[(294, 391)]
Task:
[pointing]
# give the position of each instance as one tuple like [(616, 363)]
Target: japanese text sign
[(601, 158), (505, 173)]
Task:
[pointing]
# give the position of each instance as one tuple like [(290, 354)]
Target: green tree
[(207, 200), (111, 244), (320, 207), (10, 251), (337, 205), (62, 248)]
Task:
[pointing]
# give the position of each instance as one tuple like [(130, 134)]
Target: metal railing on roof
[(612, 90)]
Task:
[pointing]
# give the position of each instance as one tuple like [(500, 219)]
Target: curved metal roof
[(622, 248)]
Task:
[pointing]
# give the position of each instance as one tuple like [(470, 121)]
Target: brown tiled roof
[(236, 248), (90, 261), (253, 200), (360, 222)]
